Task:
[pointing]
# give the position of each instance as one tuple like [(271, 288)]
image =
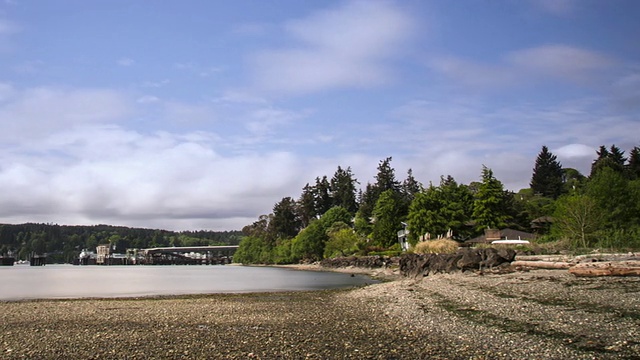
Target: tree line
[(331, 217), (63, 243)]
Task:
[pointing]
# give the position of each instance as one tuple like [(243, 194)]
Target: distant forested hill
[(62, 243)]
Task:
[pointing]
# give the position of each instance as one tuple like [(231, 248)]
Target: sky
[(198, 114)]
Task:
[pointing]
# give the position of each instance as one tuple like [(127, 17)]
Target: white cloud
[(626, 90), (472, 74), (8, 27), (7, 30), (560, 61), (264, 120), (231, 97), (251, 29), (210, 71), (202, 71), (35, 112), (187, 113), (156, 84), (126, 62), (575, 151), (110, 175), (28, 67), (528, 66), (556, 7), (147, 99), (6, 92), (343, 47)]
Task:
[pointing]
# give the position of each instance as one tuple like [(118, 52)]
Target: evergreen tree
[(437, 210), (617, 157), (425, 215), (343, 190), (633, 165), (259, 228), (410, 187), (285, 223), (386, 178), (306, 206), (603, 156), (547, 175), (408, 190), (611, 192), (490, 207), (322, 195), (367, 202), (612, 158), (458, 208), (387, 219)]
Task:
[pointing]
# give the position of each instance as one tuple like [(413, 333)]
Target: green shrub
[(618, 240), (342, 241), (252, 250), (282, 252)]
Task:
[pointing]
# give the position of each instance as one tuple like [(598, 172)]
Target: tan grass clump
[(439, 246)]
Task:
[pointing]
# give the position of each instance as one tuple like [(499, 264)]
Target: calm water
[(68, 281)]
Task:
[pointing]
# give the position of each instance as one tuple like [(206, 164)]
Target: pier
[(38, 260), (189, 255)]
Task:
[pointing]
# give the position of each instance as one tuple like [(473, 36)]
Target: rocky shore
[(541, 314)]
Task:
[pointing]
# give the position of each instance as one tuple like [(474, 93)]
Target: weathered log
[(606, 257), (610, 268), (552, 258), (542, 264)]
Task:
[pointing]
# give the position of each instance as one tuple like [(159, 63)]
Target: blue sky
[(191, 115)]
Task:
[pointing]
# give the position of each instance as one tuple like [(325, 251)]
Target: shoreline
[(380, 274), (544, 314)]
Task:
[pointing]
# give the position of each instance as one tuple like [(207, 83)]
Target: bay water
[(22, 282)]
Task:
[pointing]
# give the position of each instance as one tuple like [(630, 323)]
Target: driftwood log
[(609, 268), (542, 264), (552, 258), (606, 257)]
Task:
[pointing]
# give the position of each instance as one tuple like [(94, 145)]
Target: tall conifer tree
[(386, 177), (307, 205), (322, 195), (490, 205), (343, 190), (547, 175), (633, 166), (285, 223), (612, 158)]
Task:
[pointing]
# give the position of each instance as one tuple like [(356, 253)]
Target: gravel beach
[(541, 314)]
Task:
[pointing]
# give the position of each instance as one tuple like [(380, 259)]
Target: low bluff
[(413, 265)]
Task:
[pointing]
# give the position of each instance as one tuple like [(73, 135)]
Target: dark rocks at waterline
[(369, 262), (413, 265)]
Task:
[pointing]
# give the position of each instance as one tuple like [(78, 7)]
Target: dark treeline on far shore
[(63, 243), (562, 207)]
